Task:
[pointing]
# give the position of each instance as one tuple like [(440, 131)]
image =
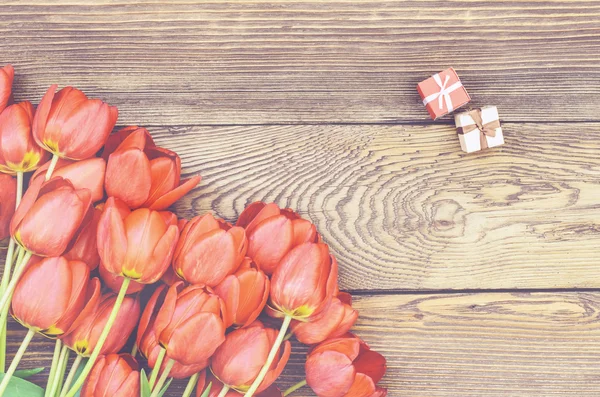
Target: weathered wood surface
[(490, 344), (258, 62), (285, 101)]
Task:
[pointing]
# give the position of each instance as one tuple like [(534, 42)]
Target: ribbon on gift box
[(487, 129), (444, 93)]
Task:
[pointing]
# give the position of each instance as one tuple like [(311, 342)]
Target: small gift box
[(442, 93), (479, 129)]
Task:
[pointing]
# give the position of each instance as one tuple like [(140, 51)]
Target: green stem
[(294, 388), (54, 365), (111, 320), (156, 369), (3, 284), (19, 189), (60, 371), (224, 391), (190, 386), (71, 375), (52, 166), (134, 350), (163, 378), (15, 361), (263, 372), (7, 295)]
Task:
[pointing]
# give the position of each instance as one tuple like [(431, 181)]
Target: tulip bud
[(52, 293), (49, 216), (138, 245), (245, 293), (143, 174), (8, 197), (7, 75), (113, 375), (208, 251), (147, 341), (84, 246), (70, 125), (345, 366), (238, 361), (192, 314), (83, 337), (18, 150), (304, 283), (85, 174), (273, 232), (333, 322)]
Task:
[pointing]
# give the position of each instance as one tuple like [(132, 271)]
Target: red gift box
[(442, 93)]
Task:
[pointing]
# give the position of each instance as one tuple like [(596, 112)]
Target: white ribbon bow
[(443, 94)]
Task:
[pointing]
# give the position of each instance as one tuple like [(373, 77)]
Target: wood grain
[(257, 62), (500, 344), (403, 208)]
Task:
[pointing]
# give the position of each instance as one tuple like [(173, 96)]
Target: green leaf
[(207, 390), (144, 385), (165, 387), (28, 373), (22, 388), (78, 374)]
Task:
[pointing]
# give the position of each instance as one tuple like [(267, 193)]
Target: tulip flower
[(245, 293), (115, 282), (239, 360), (304, 283), (8, 196), (85, 174), (69, 125), (84, 247), (49, 216), (272, 232), (7, 74), (51, 294), (138, 245), (335, 321), (113, 375), (18, 150), (191, 323), (345, 366), (83, 337), (143, 174), (209, 250)]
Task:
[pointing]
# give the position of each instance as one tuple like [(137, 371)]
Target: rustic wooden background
[(476, 275)]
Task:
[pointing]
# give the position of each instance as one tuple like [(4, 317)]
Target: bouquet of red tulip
[(93, 229)]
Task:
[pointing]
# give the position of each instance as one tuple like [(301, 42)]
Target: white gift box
[(479, 127)]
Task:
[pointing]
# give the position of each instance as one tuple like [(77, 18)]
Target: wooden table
[(475, 275)]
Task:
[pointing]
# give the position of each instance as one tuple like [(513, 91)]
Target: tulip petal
[(349, 345), (150, 310), (304, 232), (196, 339), (27, 202), (372, 364), (129, 387), (91, 383), (40, 119), (165, 314), (111, 238), (87, 174), (80, 274), (253, 217), (250, 213), (362, 386), (269, 241), (168, 199), (122, 164), (254, 287), (163, 252), (92, 299), (229, 291), (329, 374), (277, 367)]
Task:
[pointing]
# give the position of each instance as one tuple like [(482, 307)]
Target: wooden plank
[(256, 62), (501, 344), (403, 208)]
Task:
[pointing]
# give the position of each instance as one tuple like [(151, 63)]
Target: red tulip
[(305, 282), (70, 125), (7, 75), (83, 337), (208, 251), (138, 245), (114, 140), (8, 197), (143, 174), (245, 293), (273, 232), (115, 282), (86, 174), (114, 375), (49, 216), (191, 324), (18, 150), (52, 293), (345, 367), (84, 246), (238, 361), (335, 321), (147, 341)]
